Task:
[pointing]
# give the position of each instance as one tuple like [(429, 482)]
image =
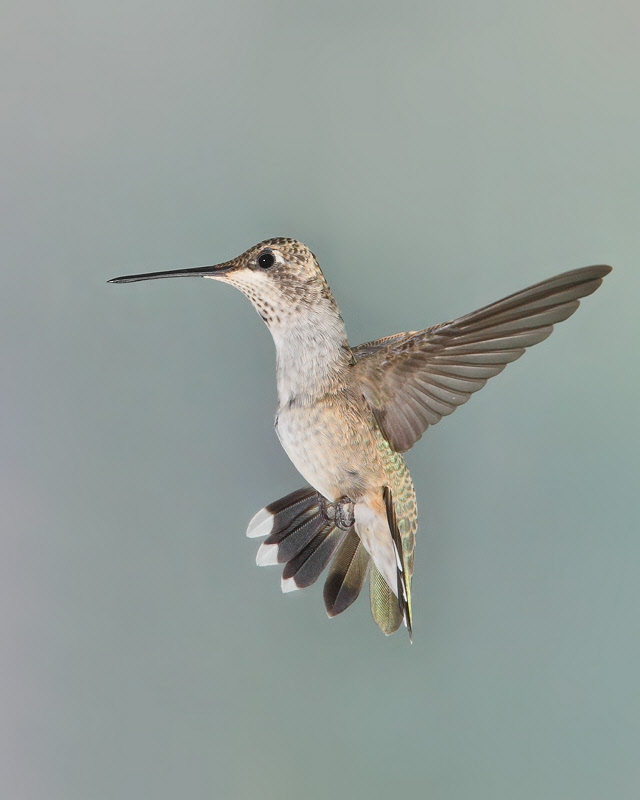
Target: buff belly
[(335, 451), (344, 454)]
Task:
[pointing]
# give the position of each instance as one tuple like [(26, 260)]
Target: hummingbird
[(346, 414)]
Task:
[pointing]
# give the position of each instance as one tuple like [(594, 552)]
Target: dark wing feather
[(403, 595), (412, 380)]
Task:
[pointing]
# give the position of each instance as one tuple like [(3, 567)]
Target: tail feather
[(404, 597), (347, 575), (384, 604), (305, 568), (300, 537), (287, 543), (279, 515)]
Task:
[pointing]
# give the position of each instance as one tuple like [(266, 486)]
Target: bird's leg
[(327, 509), (345, 516), (340, 513)]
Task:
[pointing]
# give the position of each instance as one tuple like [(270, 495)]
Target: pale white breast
[(306, 439), (332, 446)]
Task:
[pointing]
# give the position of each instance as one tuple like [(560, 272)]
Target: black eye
[(266, 259)]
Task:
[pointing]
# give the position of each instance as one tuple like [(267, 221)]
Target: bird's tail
[(299, 537), (385, 608), (347, 574)]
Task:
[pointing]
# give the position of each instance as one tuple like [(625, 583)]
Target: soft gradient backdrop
[(436, 156)]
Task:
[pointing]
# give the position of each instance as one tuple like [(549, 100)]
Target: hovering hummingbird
[(345, 414)]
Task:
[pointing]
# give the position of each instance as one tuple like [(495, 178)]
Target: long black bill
[(194, 272)]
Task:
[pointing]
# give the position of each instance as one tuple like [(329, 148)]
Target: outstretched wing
[(412, 380)]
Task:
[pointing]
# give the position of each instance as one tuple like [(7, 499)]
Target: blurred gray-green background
[(436, 156)]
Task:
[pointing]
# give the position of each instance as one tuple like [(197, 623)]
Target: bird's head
[(280, 276)]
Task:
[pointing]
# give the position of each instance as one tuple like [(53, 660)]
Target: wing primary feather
[(542, 291), (411, 380)]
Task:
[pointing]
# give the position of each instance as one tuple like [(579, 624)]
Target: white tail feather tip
[(261, 524), (267, 555), (288, 585)]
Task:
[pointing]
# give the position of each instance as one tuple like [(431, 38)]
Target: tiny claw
[(327, 509), (341, 513), (345, 516)]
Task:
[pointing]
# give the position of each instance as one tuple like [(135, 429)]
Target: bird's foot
[(341, 512)]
